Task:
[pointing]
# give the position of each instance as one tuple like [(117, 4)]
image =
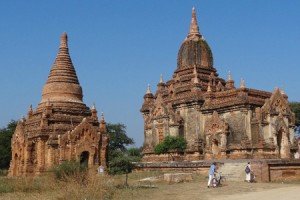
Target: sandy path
[(286, 193)]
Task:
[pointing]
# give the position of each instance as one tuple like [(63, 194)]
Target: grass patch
[(3, 172)]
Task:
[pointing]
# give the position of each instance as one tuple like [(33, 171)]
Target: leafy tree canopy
[(171, 143), (295, 107), (119, 156), (5, 143), (117, 137)]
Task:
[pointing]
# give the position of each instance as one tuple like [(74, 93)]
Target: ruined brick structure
[(217, 119), (62, 127)]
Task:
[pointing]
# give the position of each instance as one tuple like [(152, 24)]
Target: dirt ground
[(193, 190), (233, 191), (197, 190)]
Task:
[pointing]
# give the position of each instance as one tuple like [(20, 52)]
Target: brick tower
[(62, 127)]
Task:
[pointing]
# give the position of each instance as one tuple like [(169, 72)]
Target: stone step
[(233, 171)]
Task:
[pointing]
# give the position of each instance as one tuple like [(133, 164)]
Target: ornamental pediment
[(83, 132), (276, 104), (216, 125)]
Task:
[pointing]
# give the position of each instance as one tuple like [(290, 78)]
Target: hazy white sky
[(118, 47)]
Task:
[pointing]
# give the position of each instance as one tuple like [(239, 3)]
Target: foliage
[(135, 154), (5, 144), (171, 143), (295, 107), (69, 169), (119, 156), (3, 172), (117, 137), (120, 165)]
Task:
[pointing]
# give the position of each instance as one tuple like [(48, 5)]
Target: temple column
[(40, 155)]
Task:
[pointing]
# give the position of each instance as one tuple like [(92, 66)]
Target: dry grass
[(96, 187), (47, 187)]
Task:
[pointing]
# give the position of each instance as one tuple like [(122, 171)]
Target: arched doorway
[(16, 165), (283, 144), (279, 142), (84, 159), (215, 147)]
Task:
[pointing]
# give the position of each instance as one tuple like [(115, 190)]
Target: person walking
[(211, 173), (248, 172)]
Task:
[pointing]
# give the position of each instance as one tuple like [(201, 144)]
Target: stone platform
[(265, 170)]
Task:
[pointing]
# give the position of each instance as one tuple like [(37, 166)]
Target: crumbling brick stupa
[(217, 119), (61, 128)]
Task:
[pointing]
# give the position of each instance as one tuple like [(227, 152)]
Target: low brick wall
[(276, 170), (201, 167)]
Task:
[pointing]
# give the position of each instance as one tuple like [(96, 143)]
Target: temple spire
[(64, 40), (229, 76), (148, 89), (194, 28), (102, 118), (161, 79), (195, 74), (93, 106), (242, 84), (62, 82), (102, 125)]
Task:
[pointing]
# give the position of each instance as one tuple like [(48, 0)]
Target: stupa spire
[(148, 89), (64, 40), (195, 74), (62, 81), (102, 125), (229, 76), (93, 106), (242, 84), (161, 80), (102, 117), (194, 28)]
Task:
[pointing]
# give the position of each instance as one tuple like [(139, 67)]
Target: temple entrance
[(84, 159), (16, 165), (282, 142), (215, 147), (279, 142)]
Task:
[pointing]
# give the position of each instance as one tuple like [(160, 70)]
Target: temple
[(218, 119), (61, 128)]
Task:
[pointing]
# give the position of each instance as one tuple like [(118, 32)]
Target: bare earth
[(193, 190), (197, 190), (292, 192)]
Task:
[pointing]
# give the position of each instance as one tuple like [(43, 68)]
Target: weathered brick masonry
[(62, 127), (218, 119)]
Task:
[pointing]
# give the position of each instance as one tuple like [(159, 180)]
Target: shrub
[(171, 143), (69, 169), (120, 165), (3, 172)]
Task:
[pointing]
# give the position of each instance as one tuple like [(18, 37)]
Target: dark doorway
[(16, 165), (279, 141), (84, 159)]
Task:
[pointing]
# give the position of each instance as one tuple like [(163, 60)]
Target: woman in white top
[(248, 175)]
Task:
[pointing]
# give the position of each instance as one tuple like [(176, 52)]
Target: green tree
[(169, 144), (295, 107), (117, 137), (118, 158), (135, 154), (5, 143)]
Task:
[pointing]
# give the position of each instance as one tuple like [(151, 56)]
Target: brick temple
[(218, 119), (62, 127)]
